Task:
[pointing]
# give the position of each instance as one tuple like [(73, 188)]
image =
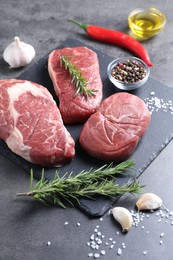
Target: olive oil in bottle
[(146, 23)]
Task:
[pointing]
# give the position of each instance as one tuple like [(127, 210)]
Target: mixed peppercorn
[(129, 71)]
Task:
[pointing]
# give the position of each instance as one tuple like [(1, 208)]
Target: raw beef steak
[(31, 124), (77, 108), (113, 132)]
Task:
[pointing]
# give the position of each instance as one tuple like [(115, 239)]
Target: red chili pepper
[(119, 38)]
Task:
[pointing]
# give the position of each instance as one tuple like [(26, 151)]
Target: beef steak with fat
[(77, 108), (31, 124), (113, 132)]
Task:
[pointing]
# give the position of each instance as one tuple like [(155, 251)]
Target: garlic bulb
[(149, 201), (124, 217), (18, 54)]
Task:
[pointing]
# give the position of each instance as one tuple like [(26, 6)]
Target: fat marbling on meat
[(31, 124), (76, 109), (113, 132)]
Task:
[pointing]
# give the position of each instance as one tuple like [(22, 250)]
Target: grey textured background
[(25, 225)]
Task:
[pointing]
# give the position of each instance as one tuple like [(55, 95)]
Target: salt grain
[(99, 242), (92, 237), (145, 252), (96, 255), (48, 243), (93, 246), (103, 252), (90, 254), (78, 224), (119, 252), (66, 223), (162, 234), (97, 247)]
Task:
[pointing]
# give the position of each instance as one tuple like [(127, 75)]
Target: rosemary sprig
[(78, 80), (85, 184)]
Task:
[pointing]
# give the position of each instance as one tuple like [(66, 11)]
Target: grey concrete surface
[(25, 225)]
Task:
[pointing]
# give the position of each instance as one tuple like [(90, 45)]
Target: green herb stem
[(78, 79), (85, 184)]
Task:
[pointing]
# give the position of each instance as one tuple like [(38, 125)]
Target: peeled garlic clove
[(124, 217), (149, 201), (18, 54)]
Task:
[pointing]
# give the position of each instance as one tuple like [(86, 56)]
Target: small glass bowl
[(121, 84), (145, 23)]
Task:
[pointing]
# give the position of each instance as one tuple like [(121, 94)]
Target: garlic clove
[(149, 201), (124, 217), (18, 54)]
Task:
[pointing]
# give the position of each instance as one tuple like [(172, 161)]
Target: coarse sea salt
[(139, 219), (155, 104)]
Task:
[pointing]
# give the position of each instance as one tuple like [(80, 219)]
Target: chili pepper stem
[(82, 25)]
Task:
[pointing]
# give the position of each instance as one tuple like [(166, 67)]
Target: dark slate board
[(157, 137)]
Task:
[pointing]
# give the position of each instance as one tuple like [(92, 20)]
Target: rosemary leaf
[(78, 80), (87, 184)]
